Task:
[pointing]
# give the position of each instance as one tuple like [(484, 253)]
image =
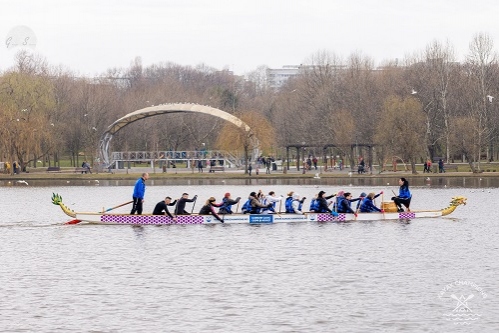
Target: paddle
[(124, 204), (194, 204), (237, 207), (461, 303), (359, 203), (382, 201), (176, 205)]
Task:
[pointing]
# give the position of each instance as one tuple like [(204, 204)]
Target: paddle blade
[(75, 221)]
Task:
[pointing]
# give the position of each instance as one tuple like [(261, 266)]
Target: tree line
[(423, 106)]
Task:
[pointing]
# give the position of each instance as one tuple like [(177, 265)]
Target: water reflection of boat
[(389, 214)]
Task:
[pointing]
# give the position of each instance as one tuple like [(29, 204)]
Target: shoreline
[(236, 174)]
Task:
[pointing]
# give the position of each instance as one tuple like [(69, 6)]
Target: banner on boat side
[(267, 218)]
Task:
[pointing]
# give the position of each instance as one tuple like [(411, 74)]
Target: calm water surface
[(316, 277)]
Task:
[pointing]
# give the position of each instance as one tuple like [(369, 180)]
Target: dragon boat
[(390, 213)]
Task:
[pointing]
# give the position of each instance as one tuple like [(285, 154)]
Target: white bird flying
[(490, 98), (22, 182), (413, 92)]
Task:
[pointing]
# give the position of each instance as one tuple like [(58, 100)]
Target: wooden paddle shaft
[(123, 204)]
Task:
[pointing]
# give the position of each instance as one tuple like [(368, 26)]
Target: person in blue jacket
[(139, 190), (344, 203), (404, 197), (367, 205), (227, 203)]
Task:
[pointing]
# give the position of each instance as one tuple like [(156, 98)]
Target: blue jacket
[(246, 209), (367, 206), (140, 188), (323, 206), (226, 206), (314, 205), (404, 193), (344, 205)]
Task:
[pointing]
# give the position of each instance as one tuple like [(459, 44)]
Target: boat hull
[(109, 218), (248, 218)]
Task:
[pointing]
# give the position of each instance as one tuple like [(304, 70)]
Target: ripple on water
[(314, 277)]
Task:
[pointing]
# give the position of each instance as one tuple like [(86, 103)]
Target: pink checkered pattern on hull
[(407, 215), (329, 218), (150, 219)]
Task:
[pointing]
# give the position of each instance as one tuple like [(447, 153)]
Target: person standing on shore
[(441, 166), (139, 191)]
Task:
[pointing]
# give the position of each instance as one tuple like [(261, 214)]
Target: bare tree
[(481, 66), (464, 139), (401, 129), (430, 77)]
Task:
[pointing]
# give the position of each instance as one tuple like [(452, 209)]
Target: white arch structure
[(172, 108)]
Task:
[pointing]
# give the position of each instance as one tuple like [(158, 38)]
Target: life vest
[(289, 205), (343, 205), (271, 208), (246, 209), (314, 205), (226, 207)]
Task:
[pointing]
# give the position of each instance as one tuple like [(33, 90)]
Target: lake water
[(378, 276)]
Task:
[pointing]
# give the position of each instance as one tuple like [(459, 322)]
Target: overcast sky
[(92, 36)]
